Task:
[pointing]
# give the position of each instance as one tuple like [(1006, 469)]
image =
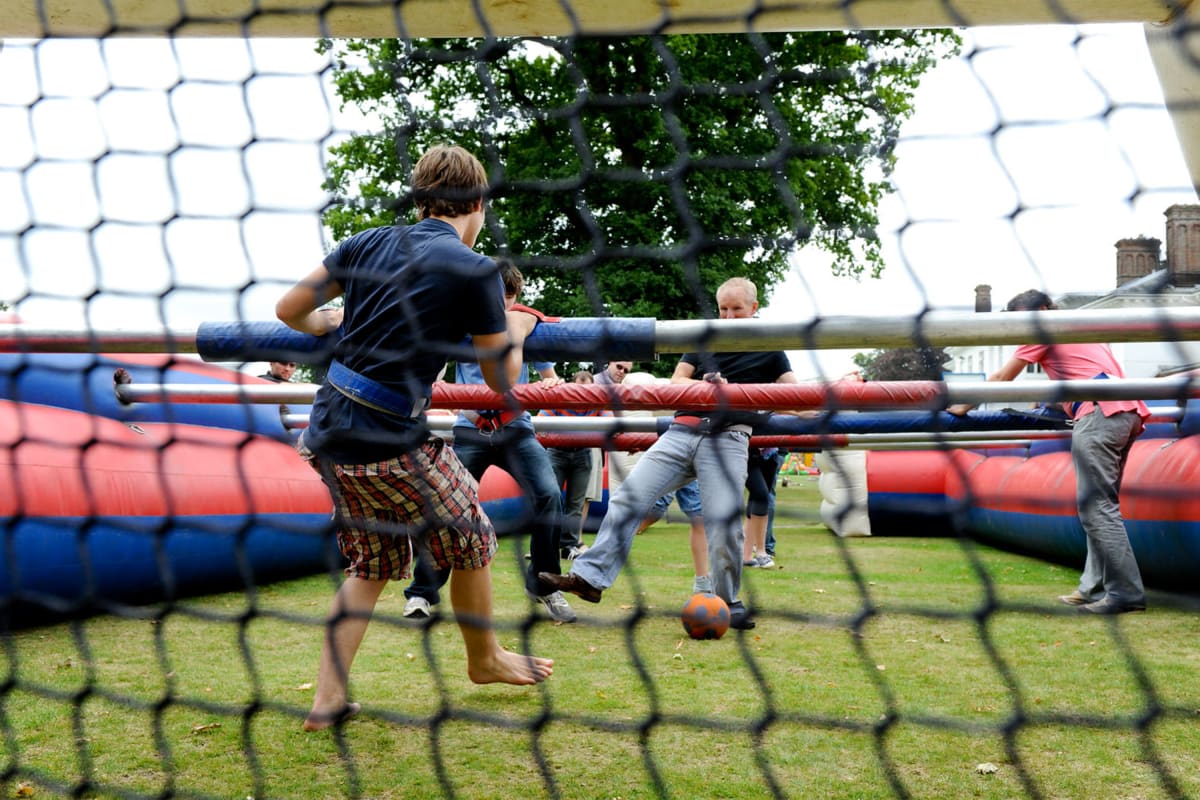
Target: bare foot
[(320, 720), (514, 668)]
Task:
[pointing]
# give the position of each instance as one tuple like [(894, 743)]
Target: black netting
[(168, 558)]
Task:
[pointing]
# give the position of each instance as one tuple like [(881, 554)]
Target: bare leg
[(699, 544), (487, 661), (348, 618), (756, 536)]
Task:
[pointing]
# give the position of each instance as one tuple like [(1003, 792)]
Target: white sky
[(1040, 204), (1026, 160)]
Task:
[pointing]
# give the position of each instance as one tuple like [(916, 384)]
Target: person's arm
[(298, 307), (1011, 369), (683, 373), (502, 373)]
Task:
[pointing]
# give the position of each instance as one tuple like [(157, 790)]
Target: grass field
[(881, 667)]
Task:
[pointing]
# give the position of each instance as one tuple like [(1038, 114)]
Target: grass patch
[(880, 667)]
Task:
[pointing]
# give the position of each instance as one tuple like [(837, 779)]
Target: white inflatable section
[(843, 485), (620, 463)]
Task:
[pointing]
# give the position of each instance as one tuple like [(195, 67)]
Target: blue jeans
[(518, 453), (770, 543), (718, 462), (780, 457), (1099, 448), (572, 467), (688, 498)]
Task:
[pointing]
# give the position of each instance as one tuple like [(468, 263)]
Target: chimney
[(1136, 258), (1183, 245), (983, 298)]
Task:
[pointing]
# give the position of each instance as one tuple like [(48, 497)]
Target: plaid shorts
[(383, 511)]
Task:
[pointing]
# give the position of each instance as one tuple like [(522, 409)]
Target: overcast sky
[(1026, 160)]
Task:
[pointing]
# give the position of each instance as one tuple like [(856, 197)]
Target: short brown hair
[(447, 182), (514, 281)]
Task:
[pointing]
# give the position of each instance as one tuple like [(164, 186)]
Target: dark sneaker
[(740, 619), (1109, 607), (571, 583)]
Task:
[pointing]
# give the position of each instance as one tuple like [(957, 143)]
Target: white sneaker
[(702, 585), (764, 561), (417, 608), (576, 552), (556, 606)]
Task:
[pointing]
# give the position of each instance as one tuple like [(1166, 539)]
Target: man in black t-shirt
[(710, 446)]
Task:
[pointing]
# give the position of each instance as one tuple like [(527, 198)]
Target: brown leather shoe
[(570, 582)]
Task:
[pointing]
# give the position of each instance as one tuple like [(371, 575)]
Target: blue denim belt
[(373, 394)]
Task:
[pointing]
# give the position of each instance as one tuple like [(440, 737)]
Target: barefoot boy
[(412, 293)]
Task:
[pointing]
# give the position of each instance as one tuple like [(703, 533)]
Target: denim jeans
[(780, 457), (769, 546), (518, 453), (1099, 448), (572, 467), (688, 498), (718, 462)]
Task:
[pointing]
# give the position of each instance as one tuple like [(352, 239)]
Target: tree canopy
[(903, 364), (631, 176)]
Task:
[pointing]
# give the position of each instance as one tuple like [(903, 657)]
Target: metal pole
[(934, 328)]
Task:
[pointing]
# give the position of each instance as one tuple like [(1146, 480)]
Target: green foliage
[(631, 176), (903, 364)]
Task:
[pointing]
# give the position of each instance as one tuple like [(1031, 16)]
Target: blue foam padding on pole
[(261, 341), (582, 339)]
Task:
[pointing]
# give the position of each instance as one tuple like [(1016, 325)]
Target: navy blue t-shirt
[(765, 367), (413, 294)]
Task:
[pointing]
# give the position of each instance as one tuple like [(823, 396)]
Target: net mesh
[(162, 182)]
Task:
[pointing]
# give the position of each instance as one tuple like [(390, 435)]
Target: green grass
[(879, 666)]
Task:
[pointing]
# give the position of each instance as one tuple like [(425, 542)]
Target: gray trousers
[(1099, 448), (718, 462)]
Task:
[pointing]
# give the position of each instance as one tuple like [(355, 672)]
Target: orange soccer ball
[(705, 617)]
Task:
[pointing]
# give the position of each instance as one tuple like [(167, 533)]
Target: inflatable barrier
[(104, 506), (97, 512), (1023, 499), (84, 382)]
